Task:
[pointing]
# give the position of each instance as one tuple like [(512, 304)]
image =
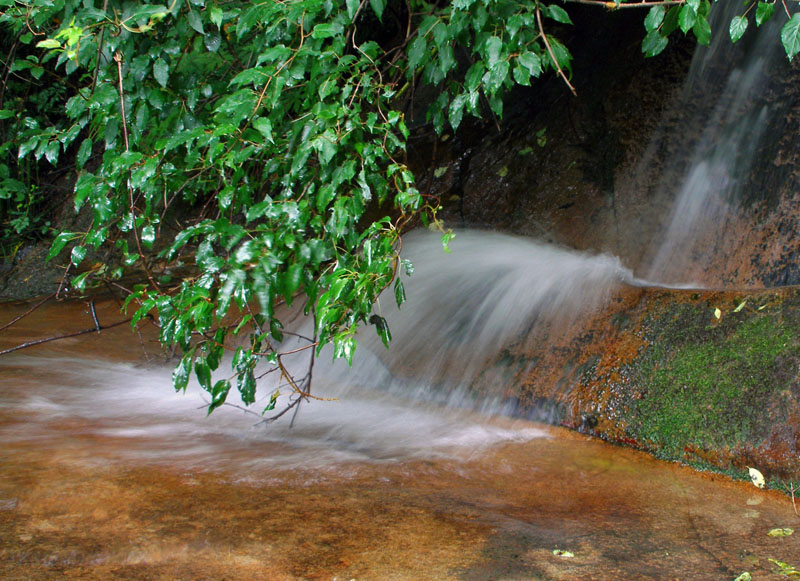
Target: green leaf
[(195, 21), (180, 376), (161, 71), (670, 23), (378, 6), (532, 62), (148, 235), (702, 30), (521, 76), (59, 243), (273, 399), (494, 49), (84, 152), (382, 328), (456, 110), (246, 384), (399, 292), (203, 373), (78, 254), (562, 54), (264, 126), (49, 43), (558, 14), (687, 18), (218, 394), (327, 30), (653, 44), (764, 12), (737, 28), (782, 532), (790, 36), (215, 15), (352, 7), (416, 53), (654, 18), (344, 347)]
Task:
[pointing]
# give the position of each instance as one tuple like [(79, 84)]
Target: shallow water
[(106, 473)]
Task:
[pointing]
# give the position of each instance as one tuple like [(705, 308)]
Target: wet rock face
[(658, 370)]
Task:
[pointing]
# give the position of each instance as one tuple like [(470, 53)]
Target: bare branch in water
[(26, 313), (65, 336)]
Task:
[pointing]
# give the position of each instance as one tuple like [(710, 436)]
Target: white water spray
[(463, 309)]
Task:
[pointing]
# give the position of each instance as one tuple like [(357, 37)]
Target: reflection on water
[(106, 473)]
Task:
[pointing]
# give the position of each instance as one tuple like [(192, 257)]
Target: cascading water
[(463, 308), (727, 114), (466, 306)]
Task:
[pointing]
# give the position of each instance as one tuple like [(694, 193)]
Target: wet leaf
[(654, 18), (272, 401), (764, 12), (785, 568), (757, 477), (161, 71), (790, 36), (737, 28)]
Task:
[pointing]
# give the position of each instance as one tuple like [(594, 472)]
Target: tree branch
[(550, 51)]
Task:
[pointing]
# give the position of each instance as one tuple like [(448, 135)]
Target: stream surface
[(106, 473)]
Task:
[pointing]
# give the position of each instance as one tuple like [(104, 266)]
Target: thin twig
[(26, 313), (94, 315), (118, 60), (310, 375), (99, 52), (616, 6), (66, 336), (550, 51)]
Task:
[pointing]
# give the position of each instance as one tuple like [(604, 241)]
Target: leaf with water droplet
[(272, 400), (764, 12), (212, 41), (737, 28), (784, 532), (758, 479), (790, 36)]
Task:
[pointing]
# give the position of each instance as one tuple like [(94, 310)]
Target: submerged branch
[(26, 313), (95, 329)]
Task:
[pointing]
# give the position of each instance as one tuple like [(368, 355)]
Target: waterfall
[(725, 116), (465, 307)]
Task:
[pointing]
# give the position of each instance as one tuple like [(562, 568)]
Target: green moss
[(707, 386)]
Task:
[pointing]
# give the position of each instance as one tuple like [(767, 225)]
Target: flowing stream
[(106, 473)]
